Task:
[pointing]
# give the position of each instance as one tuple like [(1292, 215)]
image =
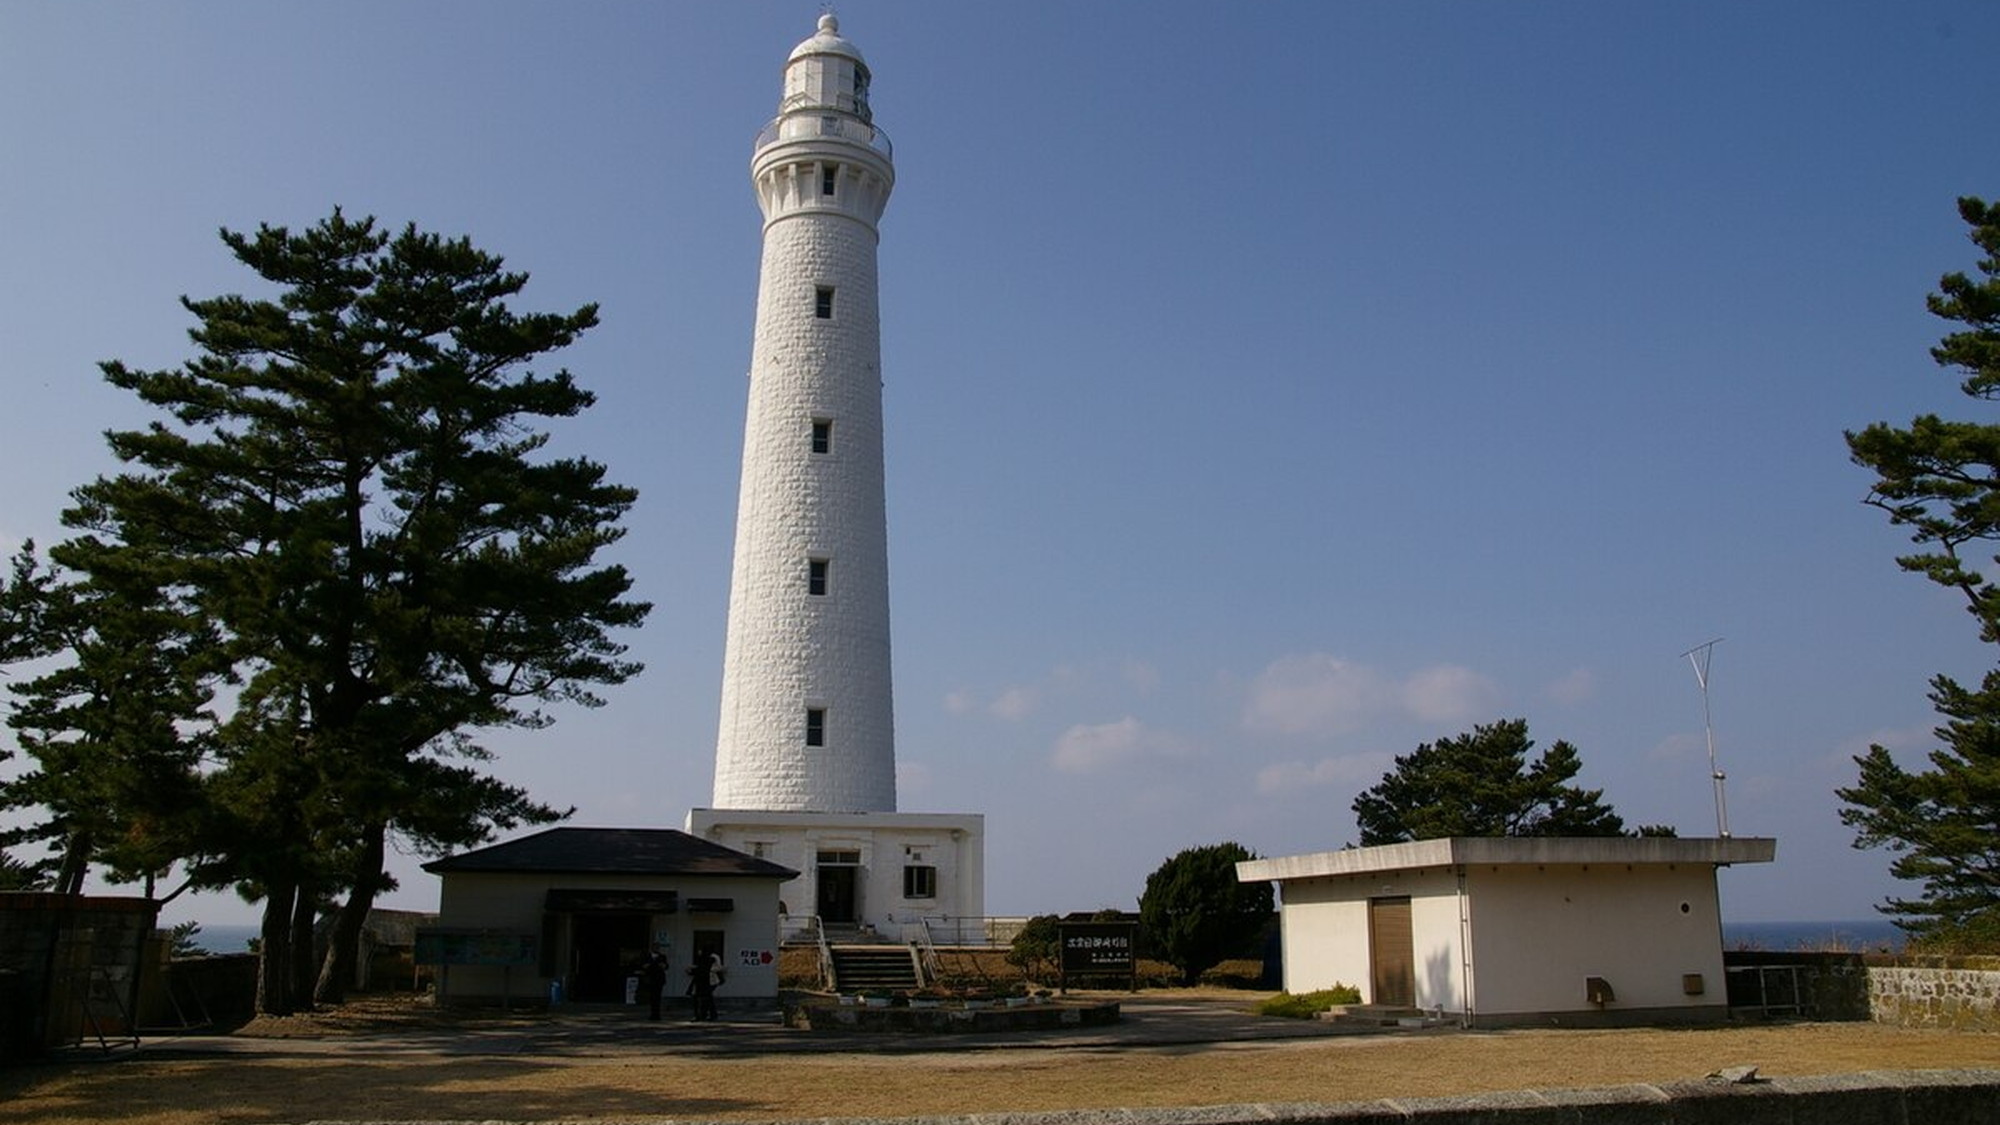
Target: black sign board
[(1099, 949)]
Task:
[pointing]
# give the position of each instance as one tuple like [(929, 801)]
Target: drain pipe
[(1464, 949)]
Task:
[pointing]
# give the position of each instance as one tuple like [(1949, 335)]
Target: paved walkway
[(1143, 1022)]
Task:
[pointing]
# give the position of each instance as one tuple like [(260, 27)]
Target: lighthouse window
[(815, 726), (919, 881), (822, 440), (827, 175), (823, 302), (816, 577)]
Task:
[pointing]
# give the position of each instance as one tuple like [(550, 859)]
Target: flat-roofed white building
[(1499, 931), (582, 906)]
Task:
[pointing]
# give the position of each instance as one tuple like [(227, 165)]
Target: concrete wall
[(514, 904), (1540, 930)]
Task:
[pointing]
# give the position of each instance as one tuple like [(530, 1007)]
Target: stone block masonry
[(1953, 994)]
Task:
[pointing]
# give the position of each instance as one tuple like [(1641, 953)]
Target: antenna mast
[(1715, 774)]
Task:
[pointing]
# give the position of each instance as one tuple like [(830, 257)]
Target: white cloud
[(1314, 692), (1015, 703), (1357, 771), (1449, 693), (1574, 688), (1088, 748), (960, 702)]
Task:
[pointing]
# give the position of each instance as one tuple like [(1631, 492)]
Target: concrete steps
[(892, 967), (1380, 1015)]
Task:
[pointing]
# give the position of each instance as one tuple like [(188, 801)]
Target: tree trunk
[(274, 977), (75, 865), (303, 912), (343, 944)]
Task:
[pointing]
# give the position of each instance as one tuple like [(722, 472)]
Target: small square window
[(919, 881), (822, 439), (829, 174), (815, 726), (823, 302), (816, 577)]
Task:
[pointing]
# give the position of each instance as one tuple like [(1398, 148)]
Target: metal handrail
[(927, 957), (826, 969), (808, 126)]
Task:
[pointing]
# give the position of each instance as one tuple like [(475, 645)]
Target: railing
[(918, 936), (973, 932), (806, 126), (800, 929)]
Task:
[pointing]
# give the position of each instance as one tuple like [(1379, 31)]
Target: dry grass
[(628, 1084)]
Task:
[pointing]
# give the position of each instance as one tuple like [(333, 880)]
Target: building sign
[(475, 947), (1098, 947)]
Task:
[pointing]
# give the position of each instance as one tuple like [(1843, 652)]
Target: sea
[(1868, 935), (224, 938)]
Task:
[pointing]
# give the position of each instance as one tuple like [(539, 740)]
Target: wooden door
[(1391, 953)]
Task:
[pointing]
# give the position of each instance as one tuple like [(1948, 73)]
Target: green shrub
[(1309, 1004), (1239, 973)]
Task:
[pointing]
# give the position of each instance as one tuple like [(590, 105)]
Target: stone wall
[(1950, 993), (73, 963)]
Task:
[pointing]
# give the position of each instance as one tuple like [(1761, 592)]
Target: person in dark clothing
[(653, 980), (703, 976)]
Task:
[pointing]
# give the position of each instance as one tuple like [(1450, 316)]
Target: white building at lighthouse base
[(884, 872)]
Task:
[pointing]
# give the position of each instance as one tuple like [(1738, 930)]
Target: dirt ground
[(315, 1083)]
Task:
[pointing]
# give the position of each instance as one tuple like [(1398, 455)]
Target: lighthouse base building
[(885, 874)]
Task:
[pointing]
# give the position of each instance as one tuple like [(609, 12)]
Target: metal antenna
[(1701, 677)]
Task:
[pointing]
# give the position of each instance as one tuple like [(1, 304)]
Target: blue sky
[(1270, 387)]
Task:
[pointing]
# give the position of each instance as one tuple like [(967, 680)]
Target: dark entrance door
[(836, 893), (604, 948), (1392, 952)]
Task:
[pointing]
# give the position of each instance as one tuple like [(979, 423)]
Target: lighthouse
[(805, 756), (807, 718)]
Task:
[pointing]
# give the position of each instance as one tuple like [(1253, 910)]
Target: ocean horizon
[(1864, 935)]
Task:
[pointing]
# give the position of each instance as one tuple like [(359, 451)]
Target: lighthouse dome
[(827, 41)]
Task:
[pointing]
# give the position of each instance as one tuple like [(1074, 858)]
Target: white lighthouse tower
[(805, 758), (807, 720)]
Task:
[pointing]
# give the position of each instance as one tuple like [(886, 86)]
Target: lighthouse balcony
[(807, 126)]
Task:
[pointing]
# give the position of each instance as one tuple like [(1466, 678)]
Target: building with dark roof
[(571, 911)]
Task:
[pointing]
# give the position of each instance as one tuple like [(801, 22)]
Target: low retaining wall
[(1954, 994), (1921, 1097), (1948, 993)]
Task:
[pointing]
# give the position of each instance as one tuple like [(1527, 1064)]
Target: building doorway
[(839, 885), (604, 948), (1391, 953)]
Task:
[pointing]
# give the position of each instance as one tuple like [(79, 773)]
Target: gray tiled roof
[(612, 851)]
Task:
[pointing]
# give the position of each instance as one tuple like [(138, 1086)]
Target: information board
[(1099, 949), (475, 947)]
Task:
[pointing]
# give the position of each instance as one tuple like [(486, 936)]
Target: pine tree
[(1941, 479), (350, 489), (1482, 784)]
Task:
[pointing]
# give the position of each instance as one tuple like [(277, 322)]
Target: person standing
[(653, 980), (705, 973)]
